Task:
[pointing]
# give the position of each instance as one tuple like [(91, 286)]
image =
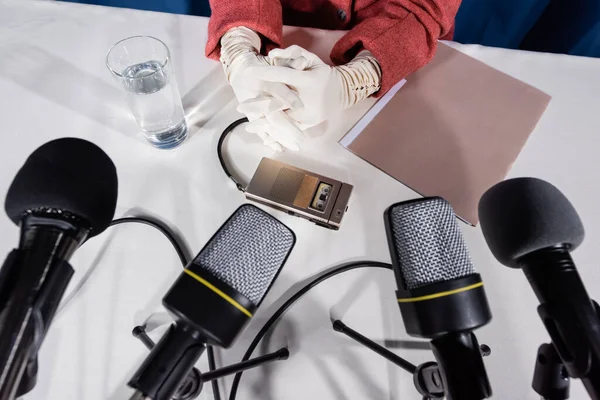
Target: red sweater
[(401, 34)]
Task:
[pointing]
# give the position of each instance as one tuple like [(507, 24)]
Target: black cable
[(163, 229), (281, 310), (142, 220), (184, 261), (226, 132), (211, 367)]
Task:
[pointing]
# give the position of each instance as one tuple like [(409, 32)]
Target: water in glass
[(155, 103)]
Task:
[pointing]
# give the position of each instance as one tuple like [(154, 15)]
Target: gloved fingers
[(260, 106), (283, 93), (296, 52), (275, 147), (266, 138), (280, 128), (283, 129), (301, 119), (297, 117), (272, 144), (251, 107), (288, 76), (259, 128), (296, 63), (269, 141)]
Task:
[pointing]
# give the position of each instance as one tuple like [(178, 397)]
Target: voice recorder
[(319, 199)]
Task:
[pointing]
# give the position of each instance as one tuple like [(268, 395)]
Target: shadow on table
[(341, 308), (65, 84), (205, 100), (321, 342), (327, 343), (122, 392)]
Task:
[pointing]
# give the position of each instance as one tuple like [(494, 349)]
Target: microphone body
[(33, 280), (570, 316), (215, 297), (55, 200), (529, 224), (439, 294), (461, 366)]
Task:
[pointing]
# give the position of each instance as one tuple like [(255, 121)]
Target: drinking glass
[(143, 67)]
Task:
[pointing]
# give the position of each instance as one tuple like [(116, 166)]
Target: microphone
[(528, 223), (65, 193), (215, 297), (440, 295)]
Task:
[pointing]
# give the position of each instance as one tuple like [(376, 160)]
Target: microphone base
[(426, 377), (429, 378), (191, 384), (550, 379), (169, 363)]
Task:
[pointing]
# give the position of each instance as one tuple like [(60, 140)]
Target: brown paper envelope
[(453, 130)]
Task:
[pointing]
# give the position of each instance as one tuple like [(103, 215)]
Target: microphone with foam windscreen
[(440, 295), (528, 223), (65, 193), (215, 297)]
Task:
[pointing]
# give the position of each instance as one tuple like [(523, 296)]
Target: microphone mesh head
[(248, 252), (427, 242)]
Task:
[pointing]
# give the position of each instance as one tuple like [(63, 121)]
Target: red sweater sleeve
[(401, 34), (262, 16)]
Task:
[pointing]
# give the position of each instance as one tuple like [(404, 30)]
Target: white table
[(53, 83)]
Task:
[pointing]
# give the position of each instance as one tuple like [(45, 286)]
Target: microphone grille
[(427, 242), (248, 252)]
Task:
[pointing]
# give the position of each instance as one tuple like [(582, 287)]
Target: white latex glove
[(239, 51), (324, 90), (276, 128)]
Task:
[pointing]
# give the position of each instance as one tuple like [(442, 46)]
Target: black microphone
[(215, 297), (528, 223), (65, 193), (441, 297)]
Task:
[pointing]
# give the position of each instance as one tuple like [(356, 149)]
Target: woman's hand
[(239, 53)]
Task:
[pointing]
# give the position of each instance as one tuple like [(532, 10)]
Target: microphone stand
[(550, 379), (426, 377), (192, 386)]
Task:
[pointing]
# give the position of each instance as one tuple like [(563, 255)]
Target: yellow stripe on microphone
[(441, 294), (219, 292)]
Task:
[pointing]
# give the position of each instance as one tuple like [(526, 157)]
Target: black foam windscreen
[(523, 215), (67, 175)]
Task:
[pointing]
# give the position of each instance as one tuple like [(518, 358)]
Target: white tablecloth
[(53, 83)]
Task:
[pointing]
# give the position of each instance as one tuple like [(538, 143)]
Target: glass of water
[(143, 67)]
